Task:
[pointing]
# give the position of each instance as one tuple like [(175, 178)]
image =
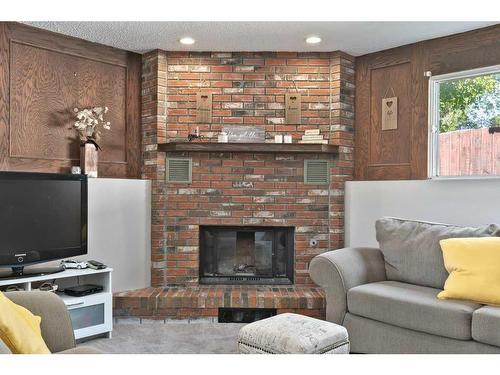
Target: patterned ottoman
[(293, 334)]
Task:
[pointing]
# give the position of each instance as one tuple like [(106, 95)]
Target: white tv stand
[(91, 315)]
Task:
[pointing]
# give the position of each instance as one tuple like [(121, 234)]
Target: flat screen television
[(43, 217)]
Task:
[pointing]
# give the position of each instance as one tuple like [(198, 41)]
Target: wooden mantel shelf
[(248, 147)]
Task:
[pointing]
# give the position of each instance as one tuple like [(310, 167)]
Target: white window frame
[(433, 127)]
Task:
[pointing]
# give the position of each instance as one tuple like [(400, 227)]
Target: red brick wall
[(244, 188), (249, 88), (154, 115)]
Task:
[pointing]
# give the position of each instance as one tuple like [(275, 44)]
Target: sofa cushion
[(20, 329), (474, 267), (486, 325), (413, 307), (411, 248)]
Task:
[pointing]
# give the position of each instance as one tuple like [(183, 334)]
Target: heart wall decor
[(390, 113)]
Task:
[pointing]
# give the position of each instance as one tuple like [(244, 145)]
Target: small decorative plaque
[(204, 108), (390, 113), (293, 104), (245, 134)]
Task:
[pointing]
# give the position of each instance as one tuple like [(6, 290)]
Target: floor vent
[(316, 172), (179, 170), (244, 315)]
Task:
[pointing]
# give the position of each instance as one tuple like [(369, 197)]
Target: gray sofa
[(57, 330), (386, 298)]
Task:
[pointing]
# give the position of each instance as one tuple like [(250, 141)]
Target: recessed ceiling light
[(186, 40), (313, 39)]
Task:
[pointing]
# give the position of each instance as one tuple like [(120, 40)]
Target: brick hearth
[(204, 301), (240, 188)]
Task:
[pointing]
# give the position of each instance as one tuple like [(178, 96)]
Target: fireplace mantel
[(248, 147)]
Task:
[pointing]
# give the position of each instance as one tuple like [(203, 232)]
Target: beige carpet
[(172, 337)]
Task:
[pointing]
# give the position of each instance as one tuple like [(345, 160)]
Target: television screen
[(42, 217)]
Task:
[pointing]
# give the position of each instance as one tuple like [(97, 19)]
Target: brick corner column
[(153, 124), (342, 88)]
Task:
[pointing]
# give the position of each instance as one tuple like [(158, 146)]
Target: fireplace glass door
[(246, 255)]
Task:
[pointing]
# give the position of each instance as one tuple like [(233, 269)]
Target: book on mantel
[(313, 136), (315, 142), (311, 132)]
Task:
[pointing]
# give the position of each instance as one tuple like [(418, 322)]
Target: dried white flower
[(88, 122)]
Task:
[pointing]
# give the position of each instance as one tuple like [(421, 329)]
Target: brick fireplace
[(248, 189)]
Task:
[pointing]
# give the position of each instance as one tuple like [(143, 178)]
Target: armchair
[(57, 330)]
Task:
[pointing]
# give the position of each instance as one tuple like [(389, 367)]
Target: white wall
[(120, 229), (459, 201), (119, 233)]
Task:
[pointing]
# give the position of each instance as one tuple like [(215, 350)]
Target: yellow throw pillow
[(474, 268), (20, 329)]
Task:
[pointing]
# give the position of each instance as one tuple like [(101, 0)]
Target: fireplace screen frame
[(250, 280)]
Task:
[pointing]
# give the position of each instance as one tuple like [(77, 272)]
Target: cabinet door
[(91, 315)]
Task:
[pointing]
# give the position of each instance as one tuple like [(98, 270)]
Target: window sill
[(460, 178)]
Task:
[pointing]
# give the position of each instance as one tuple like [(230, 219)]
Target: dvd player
[(82, 290)]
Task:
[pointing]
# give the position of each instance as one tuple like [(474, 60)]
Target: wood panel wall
[(402, 153), (43, 77)]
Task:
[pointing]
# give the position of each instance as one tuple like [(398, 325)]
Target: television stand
[(90, 315), (20, 272)]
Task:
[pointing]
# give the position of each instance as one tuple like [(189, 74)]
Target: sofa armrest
[(57, 329), (338, 271)]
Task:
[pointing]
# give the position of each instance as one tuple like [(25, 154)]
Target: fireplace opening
[(246, 255)]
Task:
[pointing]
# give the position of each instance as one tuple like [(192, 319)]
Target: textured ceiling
[(356, 38)]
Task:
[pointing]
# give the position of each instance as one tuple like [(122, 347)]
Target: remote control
[(94, 264)]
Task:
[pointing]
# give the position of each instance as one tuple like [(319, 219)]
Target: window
[(464, 123)]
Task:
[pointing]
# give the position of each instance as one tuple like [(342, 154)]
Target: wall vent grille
[(316, 172), (179, 170)]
